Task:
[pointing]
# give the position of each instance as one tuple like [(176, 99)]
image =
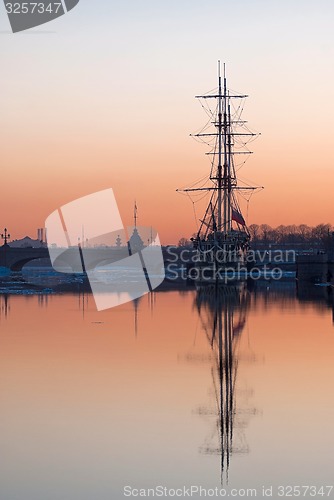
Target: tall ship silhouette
[(222, 241)]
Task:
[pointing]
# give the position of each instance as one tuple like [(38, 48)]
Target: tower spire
[(135, 214)]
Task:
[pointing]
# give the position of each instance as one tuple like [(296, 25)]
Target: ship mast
[(227, 173), (230, 170), (224, 177), (224, 146), (220, 140)]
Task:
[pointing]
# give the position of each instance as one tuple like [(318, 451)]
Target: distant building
[(27, 242), (136, 244)]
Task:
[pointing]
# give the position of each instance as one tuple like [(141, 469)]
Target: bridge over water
[(16, 258)]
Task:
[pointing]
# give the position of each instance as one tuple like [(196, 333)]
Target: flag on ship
[(237, 217)]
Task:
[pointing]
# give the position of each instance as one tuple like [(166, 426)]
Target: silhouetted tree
[(183, 242), (255, 232), (319, 236)]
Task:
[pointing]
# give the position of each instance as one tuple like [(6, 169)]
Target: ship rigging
[(223, 231)]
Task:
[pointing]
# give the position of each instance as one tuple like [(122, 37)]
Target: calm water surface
[(176, 389)]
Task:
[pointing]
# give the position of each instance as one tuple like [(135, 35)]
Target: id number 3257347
[(33, 7), (304, 491)]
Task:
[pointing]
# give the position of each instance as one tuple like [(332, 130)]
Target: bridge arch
[(18, 265)]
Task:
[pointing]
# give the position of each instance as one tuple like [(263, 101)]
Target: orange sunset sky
[(104, 97)]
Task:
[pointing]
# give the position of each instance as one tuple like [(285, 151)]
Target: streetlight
[(5, 236)]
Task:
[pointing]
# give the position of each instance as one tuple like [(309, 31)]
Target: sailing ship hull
[(222, 259)]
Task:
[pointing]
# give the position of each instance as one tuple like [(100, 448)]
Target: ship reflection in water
[(223, 312), (206, 387)]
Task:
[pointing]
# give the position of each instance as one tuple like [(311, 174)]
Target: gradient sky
[(104, 97)]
